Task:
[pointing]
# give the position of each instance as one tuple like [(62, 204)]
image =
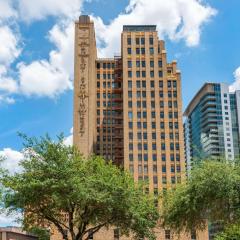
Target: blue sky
[(36, 55)]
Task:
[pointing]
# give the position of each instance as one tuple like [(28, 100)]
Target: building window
[(153, 114), (143, 74), (163, 146), (160, 74), (144, 114), (130, 135), (160, 63), (138, 104), (139, 157), (144, 104), (139, 136), (169, 83), (167, 234), (139, 169), (129, 41), (160, 84), (154, 158), (129, 84), (155, 179), (142, 41), (138, 63), (153, 136), (98, 76), (137, 41), (143, 64), (90, 236), (163, 157), (152, 74), (143, 84), (130, 125), (130, 146), (153, 125), (152, 84), (154, 147), (143, 94), (163, 136), (193, 235), (138, 94), (129, 50), (145, 146), (129, 74), (174, 84), (151, 50), (145, 157), (142, 50), (138, 74), (130, 94), (129, 64), (164, 181), (152, 104), (130, 157), (145, 136), (151, 41), (151, 63), (116, 234), (137, 50), (130, 104), (130, 114), (138, 84)]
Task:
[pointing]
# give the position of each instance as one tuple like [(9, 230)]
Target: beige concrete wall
[(84, 125)]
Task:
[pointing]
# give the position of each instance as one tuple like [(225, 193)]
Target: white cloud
[(69, 140), (54, 76), (236, 84), (6, 99), (7, 84), (37, 10), (11, 160), (7, 11), (6, 220), (40, 78), (9, 47), (176, 19)]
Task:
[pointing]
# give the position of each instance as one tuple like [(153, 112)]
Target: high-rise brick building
[(129, 108)]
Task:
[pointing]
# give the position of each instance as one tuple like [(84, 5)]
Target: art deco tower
[(129, 108)]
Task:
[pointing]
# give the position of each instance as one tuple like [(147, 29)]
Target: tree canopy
[(77, 195), (212, 192)]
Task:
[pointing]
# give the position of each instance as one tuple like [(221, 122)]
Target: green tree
[(230, 233), (79, 196), (40, 232), (212, 192)]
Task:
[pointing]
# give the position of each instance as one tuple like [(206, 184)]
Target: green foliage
[(212, 192), (57, 180), (41, 233), (232, 232)]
